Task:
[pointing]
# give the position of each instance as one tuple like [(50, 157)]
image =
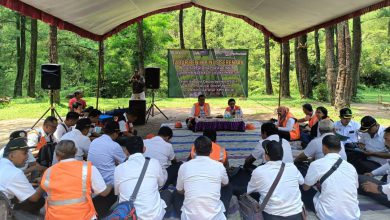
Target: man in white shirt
[(105, 154), (200, 181), (269, 132), (148, 204), (285, 201), (126, 123), (13, 182), (372, 153), (66, 126), (347, 128), (338, 197), (79, 137), (160, 149), (314, 148), (372, 187)]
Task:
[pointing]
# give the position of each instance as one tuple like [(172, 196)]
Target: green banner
[(214, 73)]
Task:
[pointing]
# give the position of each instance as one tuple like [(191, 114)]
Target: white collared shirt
[(351, 131), (386, 190), (81, 141), (258, 152), (32, 137), (314, 148), (122, 124), (338, 197), (61, 130), (148, 204), (375, 144), (13, 182), (201, 180), (383, 170), (104, 153), (30, 159), (160, 150), (286, 199), (289, 125)]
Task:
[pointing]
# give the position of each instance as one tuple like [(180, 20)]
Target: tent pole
[(280, 75), (100, 72)]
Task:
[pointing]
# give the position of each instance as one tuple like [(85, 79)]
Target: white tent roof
[(280, 19)]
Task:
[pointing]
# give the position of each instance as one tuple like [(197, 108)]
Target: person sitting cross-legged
[(288, 127), (285, 201), (149, 204), (69, 185), (337, 198), (200, 180)]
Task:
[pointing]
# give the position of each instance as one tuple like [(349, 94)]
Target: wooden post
[(280, 74), (101, 71)]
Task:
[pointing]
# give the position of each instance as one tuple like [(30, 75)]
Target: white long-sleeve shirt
[(289, 125)]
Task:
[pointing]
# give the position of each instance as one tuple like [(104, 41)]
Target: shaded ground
[(174, 114)]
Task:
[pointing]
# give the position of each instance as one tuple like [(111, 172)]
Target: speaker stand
[(52, 109), (150, 110)]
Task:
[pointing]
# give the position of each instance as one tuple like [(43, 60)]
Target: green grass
[(264, 104)]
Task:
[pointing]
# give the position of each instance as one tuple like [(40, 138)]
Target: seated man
[(218, 153), (374, 188), (312, 119), (126, 123), (200, 109), (285, 202), (79, 137), (105, 154), (269, 132), (160, 149), (314, 149), (337, 198), (373, 152), (78, 97), (13, 182), (200, 181), (66, 126), (234, 110), (69, 185), (287, 125), (95, 129), (347, 128), (148, 204)]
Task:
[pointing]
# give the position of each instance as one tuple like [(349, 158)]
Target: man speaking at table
[(201, 109)]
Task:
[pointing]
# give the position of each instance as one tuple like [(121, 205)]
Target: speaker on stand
[(152, 81), (50, 80)]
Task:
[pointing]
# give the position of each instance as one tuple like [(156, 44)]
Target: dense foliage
[(79, 57)]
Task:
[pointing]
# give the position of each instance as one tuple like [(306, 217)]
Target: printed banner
[(214, 73)]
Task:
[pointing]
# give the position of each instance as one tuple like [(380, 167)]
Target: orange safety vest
[(294, 133), (236, 108), (42, 140), (206, 109), (68, 186), (218, 153), (313, 120)]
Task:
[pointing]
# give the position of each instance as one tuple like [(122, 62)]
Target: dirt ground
[(7, 126)]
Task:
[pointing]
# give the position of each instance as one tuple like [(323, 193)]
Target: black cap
[(18, 134), (345, 113), (111, 127), (16, 144), (366, 123)]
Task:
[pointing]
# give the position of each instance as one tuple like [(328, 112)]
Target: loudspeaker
[(51, 76), (152, 78), (139, 107)]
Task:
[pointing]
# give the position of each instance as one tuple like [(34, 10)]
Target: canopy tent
[(279, 19)]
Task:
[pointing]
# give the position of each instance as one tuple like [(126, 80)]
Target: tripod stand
[(150, 110), (52, 109)]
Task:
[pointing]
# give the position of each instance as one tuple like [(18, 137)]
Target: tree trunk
[(303, 67), (286, 71), (100, 72), (181, 30), (53, 56), (344, 82), (21, 54), (299, 79), (318, 56), (141, 48), (356, 54), (33, 58), (203, 29), (267, 57), (330, 63)]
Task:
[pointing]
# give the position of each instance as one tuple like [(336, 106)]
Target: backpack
[(45, 154), (126, 210)]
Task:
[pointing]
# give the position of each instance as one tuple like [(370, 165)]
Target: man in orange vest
[(201, 109), (287, 124), (218, 153), (233, 109), (41, 136), (69, 185)]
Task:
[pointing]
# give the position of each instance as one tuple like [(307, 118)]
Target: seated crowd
[(80, 169)]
